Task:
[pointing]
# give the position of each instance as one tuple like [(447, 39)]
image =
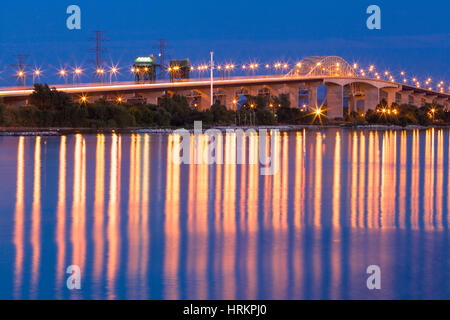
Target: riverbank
[(32, 131)]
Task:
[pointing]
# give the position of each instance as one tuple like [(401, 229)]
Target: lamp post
[(212, 77), (22, 75), (63, 73), (76, 74), (36, 74), (112, 71)]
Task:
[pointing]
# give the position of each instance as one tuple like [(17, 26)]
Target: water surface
[(141, 226)]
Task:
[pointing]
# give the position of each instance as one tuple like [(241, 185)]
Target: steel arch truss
[(318, 66)]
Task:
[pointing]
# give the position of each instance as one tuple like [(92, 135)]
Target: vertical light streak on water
[(276, 187), (229, 220), (370, 182), (134, 202), (285, 182), (377, 186), (36, 220), (299, 209), (60, 236), (280, 191), (218, 224), (242, 160), (172, 221), (252, 220), (336, 276), (318, 182), (268, 182), (392, 176), (99, 214), (19, 219), (415, 180), (145, 241), (275, 223), (448, 182), (384, 180), (429, 180), (402, 176), (439, 185), (191, 209), (299, 188), (354, 181), (317, 259), (243, 214), (362, 180), (79, 204), (114, 217), (201, 219)]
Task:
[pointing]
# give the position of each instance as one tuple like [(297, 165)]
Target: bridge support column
[(352, 104), (390, 95), (230, 95), (430, 98), (405, 97), (335, 100), (293, 96), (312, 95), (372, 98), (205, 99), (418, 99), (152, 98)]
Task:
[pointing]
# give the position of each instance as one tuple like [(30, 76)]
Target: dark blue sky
[(414, 36)]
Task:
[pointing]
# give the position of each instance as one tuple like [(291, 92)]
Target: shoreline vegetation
[(51, 112)]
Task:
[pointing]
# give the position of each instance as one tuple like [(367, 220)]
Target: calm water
[(140, 226)]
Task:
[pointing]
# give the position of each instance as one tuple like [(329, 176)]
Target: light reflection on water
[(142, 226)]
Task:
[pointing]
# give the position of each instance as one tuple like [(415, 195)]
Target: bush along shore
[(49, 108)]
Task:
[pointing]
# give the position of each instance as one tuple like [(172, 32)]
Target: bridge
[(344, 87)]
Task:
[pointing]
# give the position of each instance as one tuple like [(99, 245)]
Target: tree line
[(51, 108)]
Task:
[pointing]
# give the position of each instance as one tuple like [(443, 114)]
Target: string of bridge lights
[(227, 68)]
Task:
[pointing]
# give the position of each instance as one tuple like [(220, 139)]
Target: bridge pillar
[(153, 97), (292, 92), (418, 99), (390, 95), (205, 99), (335, 100), (372, 98), (430, 98), (405, 97), (352, 103), (293, 96), (230, 95), (312, 95), (441, 101)]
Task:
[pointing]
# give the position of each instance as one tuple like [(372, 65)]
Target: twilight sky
[(415, 35)]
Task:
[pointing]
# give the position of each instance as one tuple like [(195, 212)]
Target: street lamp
[(77, 73), (63, 74), (100, 73), (112, 71), (36, 74), (22, 75)]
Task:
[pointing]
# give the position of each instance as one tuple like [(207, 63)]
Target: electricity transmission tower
[(99, 38), (162, 46)]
